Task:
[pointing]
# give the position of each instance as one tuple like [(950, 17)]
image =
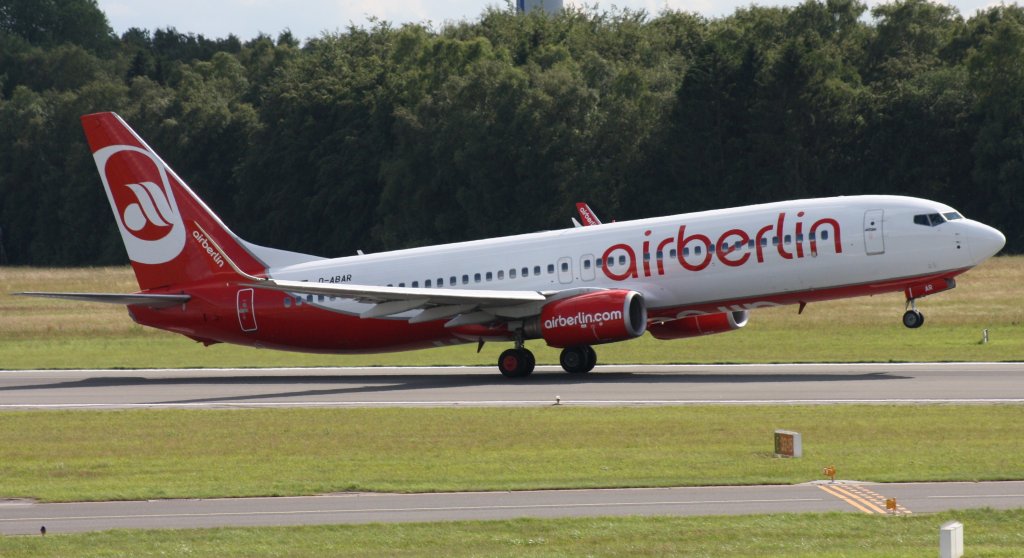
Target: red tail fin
[(172, 237)]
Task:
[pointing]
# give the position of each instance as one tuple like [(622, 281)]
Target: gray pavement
[(25, 518), (608, 385)]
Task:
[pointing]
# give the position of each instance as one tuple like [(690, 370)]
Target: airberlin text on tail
[(156, 212)]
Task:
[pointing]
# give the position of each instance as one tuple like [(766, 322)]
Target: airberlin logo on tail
[(210, 250), (139, 190)]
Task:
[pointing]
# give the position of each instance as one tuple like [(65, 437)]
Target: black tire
[(913, 319), (591, 358), (575, 360), (516, 363)]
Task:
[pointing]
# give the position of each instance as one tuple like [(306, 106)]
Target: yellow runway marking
[(862, 498)]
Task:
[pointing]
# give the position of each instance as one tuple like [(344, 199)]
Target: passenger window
[(586, 264), (551, 268), (764, 241), (501, 274), (426, 283), (526, 272), (824, 235), (660, 255), (647, 256), (452, 281), (799, 238), (287, 302), (401, 284), (476, 277), (415, 284), (775, 241), (599, 262), (811, 237), (565, 266), (512, 273), (489, 276), (465, 279), (440, 281), (789, 239), (622, 260), (319, 298), (696, 250), (536, 270), (672, 252)]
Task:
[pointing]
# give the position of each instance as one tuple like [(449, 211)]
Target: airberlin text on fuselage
[(728, 248)]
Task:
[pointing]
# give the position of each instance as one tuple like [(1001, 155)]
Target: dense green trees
[(385, 137)]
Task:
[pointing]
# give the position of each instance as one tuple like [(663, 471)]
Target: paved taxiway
[(608, 385), (26, 518)]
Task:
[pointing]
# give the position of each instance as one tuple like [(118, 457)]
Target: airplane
[(587, 216), (675, 277)]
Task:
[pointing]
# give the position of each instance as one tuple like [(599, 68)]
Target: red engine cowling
[(695, 326), (593, 318)]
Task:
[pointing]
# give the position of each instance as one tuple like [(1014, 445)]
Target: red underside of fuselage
[(211, 317)]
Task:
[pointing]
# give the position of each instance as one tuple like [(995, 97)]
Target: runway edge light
[(788, 444)]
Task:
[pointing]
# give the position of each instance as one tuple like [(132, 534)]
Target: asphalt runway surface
[(482, 386), (26, 518)]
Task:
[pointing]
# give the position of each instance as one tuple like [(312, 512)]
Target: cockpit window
[(930, 219), (952, 216)]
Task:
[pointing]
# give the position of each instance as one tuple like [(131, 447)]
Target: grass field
[(81, 455), (987, 533), (37, 333)]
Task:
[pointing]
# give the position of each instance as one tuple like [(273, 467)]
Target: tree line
[(382, 136)]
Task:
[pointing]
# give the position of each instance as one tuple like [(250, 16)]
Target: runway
[(971, 383), (981, 383), (25, 518)]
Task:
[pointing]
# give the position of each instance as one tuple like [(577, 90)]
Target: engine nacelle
[(591, 319), (695, 326)]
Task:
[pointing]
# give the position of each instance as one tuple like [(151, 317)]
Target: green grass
[(80, 455), (36, 333), (987, 533)]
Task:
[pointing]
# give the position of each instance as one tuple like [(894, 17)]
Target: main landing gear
[(578, 360), (912, 318), (519, 362)]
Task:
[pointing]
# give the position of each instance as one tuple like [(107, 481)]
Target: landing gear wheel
[(578, 360), (913, 319), (516, 363)]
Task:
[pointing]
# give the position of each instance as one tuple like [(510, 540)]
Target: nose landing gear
[(912, 318)]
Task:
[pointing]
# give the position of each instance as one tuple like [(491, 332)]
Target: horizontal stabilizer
[(150, 300)]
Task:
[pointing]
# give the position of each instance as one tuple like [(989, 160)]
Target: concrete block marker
[(951, 540)]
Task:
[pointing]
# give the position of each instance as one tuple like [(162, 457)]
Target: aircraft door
[(565, 270), (874, 238), (587, 264), (246, 310)]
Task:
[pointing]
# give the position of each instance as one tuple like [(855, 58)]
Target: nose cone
[(984, 242)]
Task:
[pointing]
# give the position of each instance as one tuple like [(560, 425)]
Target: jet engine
[(591, 319), (695, 326)]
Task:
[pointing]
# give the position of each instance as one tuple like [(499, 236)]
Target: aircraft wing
[(464, 306), (151, 300)]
